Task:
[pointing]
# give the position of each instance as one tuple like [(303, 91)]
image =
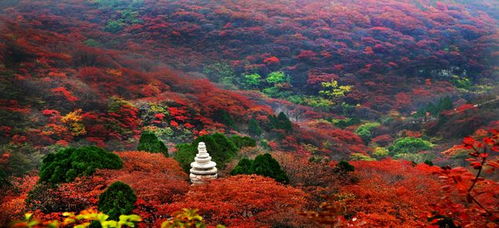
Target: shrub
[(281, 122), (254, 128), (361, 157), (365, 131), (69, 163), (118, 199), (149, 142), (185, 155), (343, 167), (408, 145), (263, 165), (243, 141)]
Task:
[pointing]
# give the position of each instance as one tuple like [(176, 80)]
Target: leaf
[(468, 141)]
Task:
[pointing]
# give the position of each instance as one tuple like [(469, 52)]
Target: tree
[(254, 128), (277, 77), (252, 80), (263, 165), (365, 131), (151, 143), (242, 141), (260, 201), (118, 199), (281, 122), (408, 145), (67, 164)]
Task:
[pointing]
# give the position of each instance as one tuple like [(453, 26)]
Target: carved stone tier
[(202, 167)]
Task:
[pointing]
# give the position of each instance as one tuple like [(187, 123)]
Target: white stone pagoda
[(202, 167)]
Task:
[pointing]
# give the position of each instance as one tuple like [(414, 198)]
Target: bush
[(69, 163), (149, 142), (408, 145), (254, 128), (263, 165), (220, 148), (243, 141), (343, 167), (118, 199), (365, 131), (281, 122)]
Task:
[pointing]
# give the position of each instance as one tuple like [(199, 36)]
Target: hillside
[(316, 84)]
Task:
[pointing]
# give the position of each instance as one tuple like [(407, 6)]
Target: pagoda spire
[(202, 167)]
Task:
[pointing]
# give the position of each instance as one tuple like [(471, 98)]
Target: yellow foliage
[(74, 122)]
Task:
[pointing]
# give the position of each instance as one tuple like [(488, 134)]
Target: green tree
[(263, 165), (277, 77), (149, 142), (254, 128), (244, 166), (252, 80), (69, 163), (224, 117), (243, 141), (185, 155), (118, 199), (114, 26), (365, 131), (409, 145), (281, 122)]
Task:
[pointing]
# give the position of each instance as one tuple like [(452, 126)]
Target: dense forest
[(339, 113)]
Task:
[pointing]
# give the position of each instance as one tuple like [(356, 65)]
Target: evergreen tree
[(243, 141), (69, 163), (245, 166), (118, 199), (284, 122), (254, 128), (263, 165), (266, 165), (151, 143), (224, 117)]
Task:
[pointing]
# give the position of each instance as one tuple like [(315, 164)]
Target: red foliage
[(260, 201), (68, 95)]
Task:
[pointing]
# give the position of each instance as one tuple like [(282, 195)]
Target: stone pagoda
[(202, 167)]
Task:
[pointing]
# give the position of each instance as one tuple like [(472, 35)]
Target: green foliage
[(114, 26), (409, 145), (414, 157), (118, 199), (69, 163), (281, 122), (361, 157), (224, 117), (118, 4), (149, 142), (264, 165), (312, 101), (22, 158), (243, 141), (220, 72), (462, 82), (185, 155), (244, 166), (365, 130), (343, 167), (220, 148), (380, 152), (92, 43), (252, 80), (435, 108), (343, 123), (277, 77), (254, 128), (115, 104)]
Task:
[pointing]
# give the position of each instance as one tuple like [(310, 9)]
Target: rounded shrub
[(263, 165), (69, 163), (151, 143), (118, 199)]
